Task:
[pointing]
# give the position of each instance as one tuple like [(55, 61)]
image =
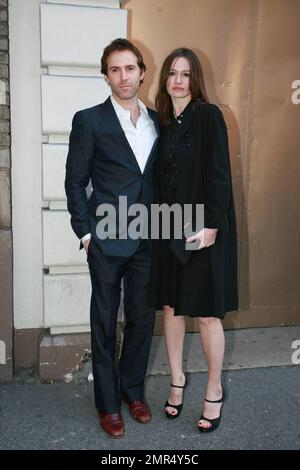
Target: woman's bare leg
[(213, 343), (174, 327)]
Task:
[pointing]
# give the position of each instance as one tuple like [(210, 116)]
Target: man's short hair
[(121, 44)]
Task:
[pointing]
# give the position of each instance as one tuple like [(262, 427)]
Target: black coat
[(207, 286)]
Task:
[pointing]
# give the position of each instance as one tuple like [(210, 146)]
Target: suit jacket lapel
[(152, 154), (119, 135)]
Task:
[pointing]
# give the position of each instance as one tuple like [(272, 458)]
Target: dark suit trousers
[(125, 379)]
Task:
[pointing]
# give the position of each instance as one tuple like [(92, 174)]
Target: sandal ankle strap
[(214, 401), (178, 386)]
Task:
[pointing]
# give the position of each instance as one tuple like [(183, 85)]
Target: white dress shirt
[(140, 137)]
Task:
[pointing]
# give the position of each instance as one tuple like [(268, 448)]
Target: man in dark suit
[(114, 145)]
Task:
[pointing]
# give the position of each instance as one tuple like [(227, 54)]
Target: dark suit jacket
[(99, 151)]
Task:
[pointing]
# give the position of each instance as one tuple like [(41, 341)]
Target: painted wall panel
[(76, 35), (66, 299), (274, 169), (63, 96), (25, 108), (61, 246), (54, 161)]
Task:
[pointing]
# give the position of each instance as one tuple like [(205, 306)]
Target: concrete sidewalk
[(261, 410)]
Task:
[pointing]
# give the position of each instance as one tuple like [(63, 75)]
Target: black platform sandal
[(214, 423), (178, 408)]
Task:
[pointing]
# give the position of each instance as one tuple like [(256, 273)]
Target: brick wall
[(6, 310)]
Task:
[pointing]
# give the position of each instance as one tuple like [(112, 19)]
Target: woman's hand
[(206, 236)]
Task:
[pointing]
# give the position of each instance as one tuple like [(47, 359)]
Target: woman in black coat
[(193, 167)]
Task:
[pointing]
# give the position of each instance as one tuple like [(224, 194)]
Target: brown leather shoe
[(140, 411), (113, 424)]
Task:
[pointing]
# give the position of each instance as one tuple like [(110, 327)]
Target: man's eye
[(186, 74), (171, 73)]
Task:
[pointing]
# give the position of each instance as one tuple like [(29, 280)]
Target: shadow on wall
[(233, 320)]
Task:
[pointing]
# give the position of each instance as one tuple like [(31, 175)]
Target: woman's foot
[(173, 405), (211, 415)]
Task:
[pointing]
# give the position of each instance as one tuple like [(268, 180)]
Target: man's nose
[(123, 75)]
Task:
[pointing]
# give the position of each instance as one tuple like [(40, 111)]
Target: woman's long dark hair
[(163, 100)]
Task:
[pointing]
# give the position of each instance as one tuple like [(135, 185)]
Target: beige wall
[(250, 53)]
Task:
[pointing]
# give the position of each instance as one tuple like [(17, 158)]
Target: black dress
[(193, 289)]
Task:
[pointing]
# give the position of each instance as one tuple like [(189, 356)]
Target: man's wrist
[(86, 237)]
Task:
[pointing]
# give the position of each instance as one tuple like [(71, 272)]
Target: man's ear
[(142, 75), (106, 79)]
